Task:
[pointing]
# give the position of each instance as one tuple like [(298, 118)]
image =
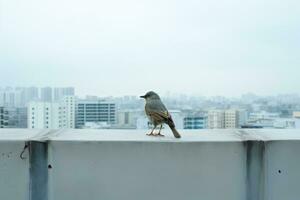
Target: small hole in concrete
[(49, 166), (279, 171)]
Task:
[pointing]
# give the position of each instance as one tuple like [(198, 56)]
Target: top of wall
[(208, 135)]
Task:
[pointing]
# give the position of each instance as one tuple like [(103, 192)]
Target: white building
[(69, 102), (52, 115), (231, 119), (216, 119)]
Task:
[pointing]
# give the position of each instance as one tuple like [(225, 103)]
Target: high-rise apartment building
[(17, 97), (31, 94), (7, 97), (52, 115), (21, 96), (219, 119), (59, 93), (231, 119), (46, 94), (69, 103), (216, 119), (95, 111)]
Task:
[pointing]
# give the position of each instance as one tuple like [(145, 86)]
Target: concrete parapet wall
[(126, 164)]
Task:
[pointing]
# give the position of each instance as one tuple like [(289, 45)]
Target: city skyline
[(53, 108), (168, 93)]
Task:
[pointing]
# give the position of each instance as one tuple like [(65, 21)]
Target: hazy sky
[(116, 47)]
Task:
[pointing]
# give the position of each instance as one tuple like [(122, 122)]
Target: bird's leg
[(151, 133), (158, 134)]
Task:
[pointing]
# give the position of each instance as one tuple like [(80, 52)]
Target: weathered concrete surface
[(14, 172), (282, 173), (126, 164), (143, 170)]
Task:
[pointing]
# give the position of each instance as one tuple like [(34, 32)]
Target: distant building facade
[(262, 119), (263, 115), (128, 118), (231, 120), (216, 119), (46, 94), (8, 97), (18, 97), (226, 119), (95, 111), (59, 93), (3, 118), (52, 115), (13, 117), (196, 121)]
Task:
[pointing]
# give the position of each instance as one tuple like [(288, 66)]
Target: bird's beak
[(143, 97)]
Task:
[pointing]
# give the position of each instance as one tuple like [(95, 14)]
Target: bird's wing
[(157, 109)]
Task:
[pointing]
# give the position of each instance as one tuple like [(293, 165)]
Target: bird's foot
[(160, 135), (150, 134)]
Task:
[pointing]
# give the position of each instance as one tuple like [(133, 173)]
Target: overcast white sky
[(116, 47)]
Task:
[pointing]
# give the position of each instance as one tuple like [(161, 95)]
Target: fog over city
[(129, 47), (149, 99)]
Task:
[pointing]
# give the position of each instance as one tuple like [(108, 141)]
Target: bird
[(158, 114)]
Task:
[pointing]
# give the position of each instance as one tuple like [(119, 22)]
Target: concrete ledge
[(215, 135), (127, 164)]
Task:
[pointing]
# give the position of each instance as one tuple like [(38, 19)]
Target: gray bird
[(158, 113)]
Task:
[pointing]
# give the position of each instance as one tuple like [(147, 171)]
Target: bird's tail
[(175, 132)]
